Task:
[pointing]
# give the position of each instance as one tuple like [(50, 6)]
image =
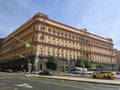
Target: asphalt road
[(25, 83)]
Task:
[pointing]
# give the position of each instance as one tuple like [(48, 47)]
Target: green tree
[(52, 63), (100, 66), (79, 63), (87, 64)]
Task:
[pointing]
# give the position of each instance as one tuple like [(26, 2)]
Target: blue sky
[(101, 17)]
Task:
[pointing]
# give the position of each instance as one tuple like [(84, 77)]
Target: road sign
[(36, 59), (27, 45)]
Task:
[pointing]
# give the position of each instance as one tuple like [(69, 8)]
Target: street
[(32, 83)]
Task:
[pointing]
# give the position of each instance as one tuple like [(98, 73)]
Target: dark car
[(46, 72), (72, 71)]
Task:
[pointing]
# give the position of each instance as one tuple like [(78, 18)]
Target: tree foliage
[(100, 66), (52, 63), (80, 63), (87, 64)]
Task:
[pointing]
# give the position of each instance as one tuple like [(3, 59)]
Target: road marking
[(24, 85), (63, 81), (46, 79), (60, 84), (15, 88)]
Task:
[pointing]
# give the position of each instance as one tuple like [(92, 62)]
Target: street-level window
[(41, 52), (48, 53)]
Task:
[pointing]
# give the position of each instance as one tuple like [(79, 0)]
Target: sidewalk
[(79, 79), (66, 76)]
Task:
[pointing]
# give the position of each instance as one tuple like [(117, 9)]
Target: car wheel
[(108, 77), (104, 77)]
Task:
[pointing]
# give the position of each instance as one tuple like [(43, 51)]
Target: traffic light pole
[(29, 45)]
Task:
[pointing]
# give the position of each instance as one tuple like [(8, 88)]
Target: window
[(53, 54), (58, 54), (48, 48), (41, 52), (70, 36), (42, 29), (66, 35), (49, 30), (53, 38), (62, 34), (58, 39), (57, 33), (48, 53), (48, 36), (53, 49), (53, 32), (41, 46)]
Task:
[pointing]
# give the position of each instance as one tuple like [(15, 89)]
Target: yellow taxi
[(104, 75)]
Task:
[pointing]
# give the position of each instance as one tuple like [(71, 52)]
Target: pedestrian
[(22, 67)]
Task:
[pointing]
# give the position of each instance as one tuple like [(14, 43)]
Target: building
[(48, 37), (1, 39), (117, 53)]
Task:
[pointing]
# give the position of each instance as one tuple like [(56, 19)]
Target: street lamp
[(82, 47)]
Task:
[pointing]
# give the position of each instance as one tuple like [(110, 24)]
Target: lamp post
[(82, 47)]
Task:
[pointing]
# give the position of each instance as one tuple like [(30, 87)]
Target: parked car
[(118, 73), (46, 72), (43, 72), (72, 71), (91, 70), (104, 75), (78, 70)]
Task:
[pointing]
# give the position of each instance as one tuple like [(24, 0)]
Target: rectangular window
[(42, 29), (41, 52)]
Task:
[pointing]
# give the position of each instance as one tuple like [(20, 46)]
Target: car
[(46, 72), (104, 75), (91, 70), (72, 71), (118, 73), (78, 70)]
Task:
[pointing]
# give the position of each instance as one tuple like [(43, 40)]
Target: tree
[(52, 63), (87, 64), (100, 66), (80, 63)]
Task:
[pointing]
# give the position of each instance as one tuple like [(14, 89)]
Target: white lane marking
[(15, 88), (25, 85), (59, 84)]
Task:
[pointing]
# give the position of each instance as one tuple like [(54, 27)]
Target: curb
[(108, 82)]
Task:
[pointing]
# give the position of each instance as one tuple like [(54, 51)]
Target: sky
[(100, 17)]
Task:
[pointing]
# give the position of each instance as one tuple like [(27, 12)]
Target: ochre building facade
[(51, 38), (117, 53)]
